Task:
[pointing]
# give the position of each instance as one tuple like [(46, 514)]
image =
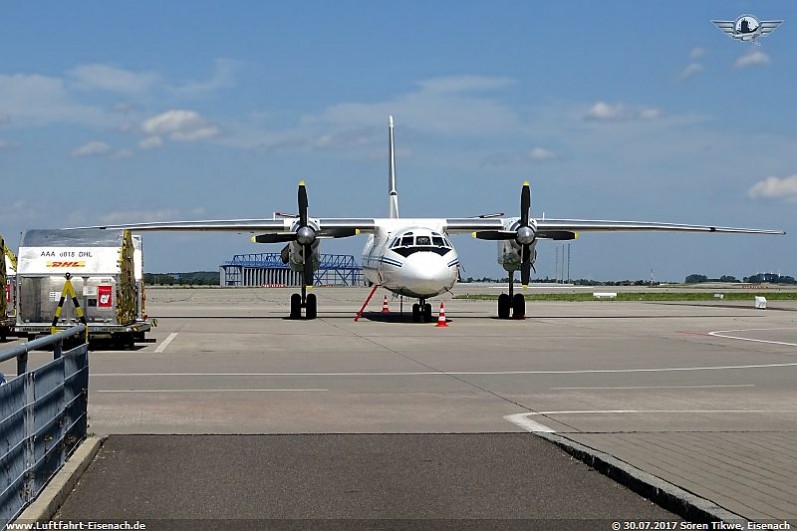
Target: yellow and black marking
[(69, 290)]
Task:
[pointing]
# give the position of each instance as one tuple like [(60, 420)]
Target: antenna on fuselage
[(392, 193)]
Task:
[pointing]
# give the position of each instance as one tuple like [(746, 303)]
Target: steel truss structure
[(267, 269)]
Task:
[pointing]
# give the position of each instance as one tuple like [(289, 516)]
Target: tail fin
[(393, 194)]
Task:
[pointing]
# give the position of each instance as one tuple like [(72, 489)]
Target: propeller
[(524, 234), (305, 235)]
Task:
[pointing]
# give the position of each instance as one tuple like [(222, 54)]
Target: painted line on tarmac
[(212, 390), (443, 373), (166, 342), (724, 334), (635, 387)]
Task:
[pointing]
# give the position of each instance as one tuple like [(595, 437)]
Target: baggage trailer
[(101, 267), (8, 306)]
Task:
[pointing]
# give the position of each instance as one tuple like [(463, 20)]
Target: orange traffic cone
[(385, 309), (441, 318)]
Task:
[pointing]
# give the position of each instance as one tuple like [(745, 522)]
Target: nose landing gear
[(422, 313)]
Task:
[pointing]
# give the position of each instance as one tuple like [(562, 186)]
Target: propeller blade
[(525, 273), (495, 234), (302, 205), (285, 254), (337, 233), (279, 237), (307, 256), (525, 204)]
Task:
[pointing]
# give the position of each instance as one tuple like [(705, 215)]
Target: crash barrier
[(42, 417)]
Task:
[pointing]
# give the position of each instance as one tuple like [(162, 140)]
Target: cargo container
[(101, 264), (8, 304)]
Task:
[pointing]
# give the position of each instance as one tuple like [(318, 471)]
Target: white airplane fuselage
[(411, 257)]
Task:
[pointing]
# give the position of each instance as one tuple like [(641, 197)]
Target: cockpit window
[(409, 243)]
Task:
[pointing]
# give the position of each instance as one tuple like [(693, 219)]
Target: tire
[(416, 313), (518, 306), (503, 306), (311, 308), (427, 313), (296, 306)]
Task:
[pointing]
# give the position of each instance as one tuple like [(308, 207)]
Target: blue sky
[(125, 112)]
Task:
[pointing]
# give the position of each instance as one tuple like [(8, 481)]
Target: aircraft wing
[(599, 225), (241, 225)]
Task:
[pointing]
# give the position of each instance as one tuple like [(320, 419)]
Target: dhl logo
[(66, 264)]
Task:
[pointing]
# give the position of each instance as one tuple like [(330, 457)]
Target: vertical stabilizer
[(393, 194)]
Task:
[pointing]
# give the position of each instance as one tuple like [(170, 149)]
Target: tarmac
[(702, 396)]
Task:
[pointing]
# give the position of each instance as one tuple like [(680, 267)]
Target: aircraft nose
[(429, 272)]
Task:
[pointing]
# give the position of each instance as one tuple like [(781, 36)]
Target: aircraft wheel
[(416, 313), (296, 306), (518, 306), (311, 309), (503, 306), (427, 313)]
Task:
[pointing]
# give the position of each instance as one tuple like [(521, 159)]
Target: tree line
[(758, 278), (195, 278)]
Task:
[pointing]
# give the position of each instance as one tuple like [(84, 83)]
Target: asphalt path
[(349, 481)]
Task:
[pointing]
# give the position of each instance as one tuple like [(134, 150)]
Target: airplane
[(414, 257)]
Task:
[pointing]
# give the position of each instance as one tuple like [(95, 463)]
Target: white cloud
[(444, 105), (223, 77), (31, 99), (200, 133), (602, 111), (775, 188), (182, 125), (605, 112), (696, 53), (539, 153), (692, 70), (124, 153), (151, 142), (92, 149), (752, 58), (111, 79), (649, 113), (21, 211), (458, 84)]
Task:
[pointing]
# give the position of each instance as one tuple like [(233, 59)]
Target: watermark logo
[(747, 28)]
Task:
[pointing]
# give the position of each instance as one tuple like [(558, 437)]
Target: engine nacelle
[(509, 250), (296, 256)]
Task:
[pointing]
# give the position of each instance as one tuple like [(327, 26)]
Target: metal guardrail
[(42, 418)]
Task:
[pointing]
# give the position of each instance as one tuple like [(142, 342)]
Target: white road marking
[(523, 420), (211, 390), (166, 342), (724, 334), (651, 387), (446, 373)]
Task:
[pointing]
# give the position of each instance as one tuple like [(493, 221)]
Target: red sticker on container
[(104, 296)]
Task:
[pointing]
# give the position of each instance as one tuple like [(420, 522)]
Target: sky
[(115, 112)]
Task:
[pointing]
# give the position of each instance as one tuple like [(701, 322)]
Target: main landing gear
[(422, 313), (516, 303), (308, 302)]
